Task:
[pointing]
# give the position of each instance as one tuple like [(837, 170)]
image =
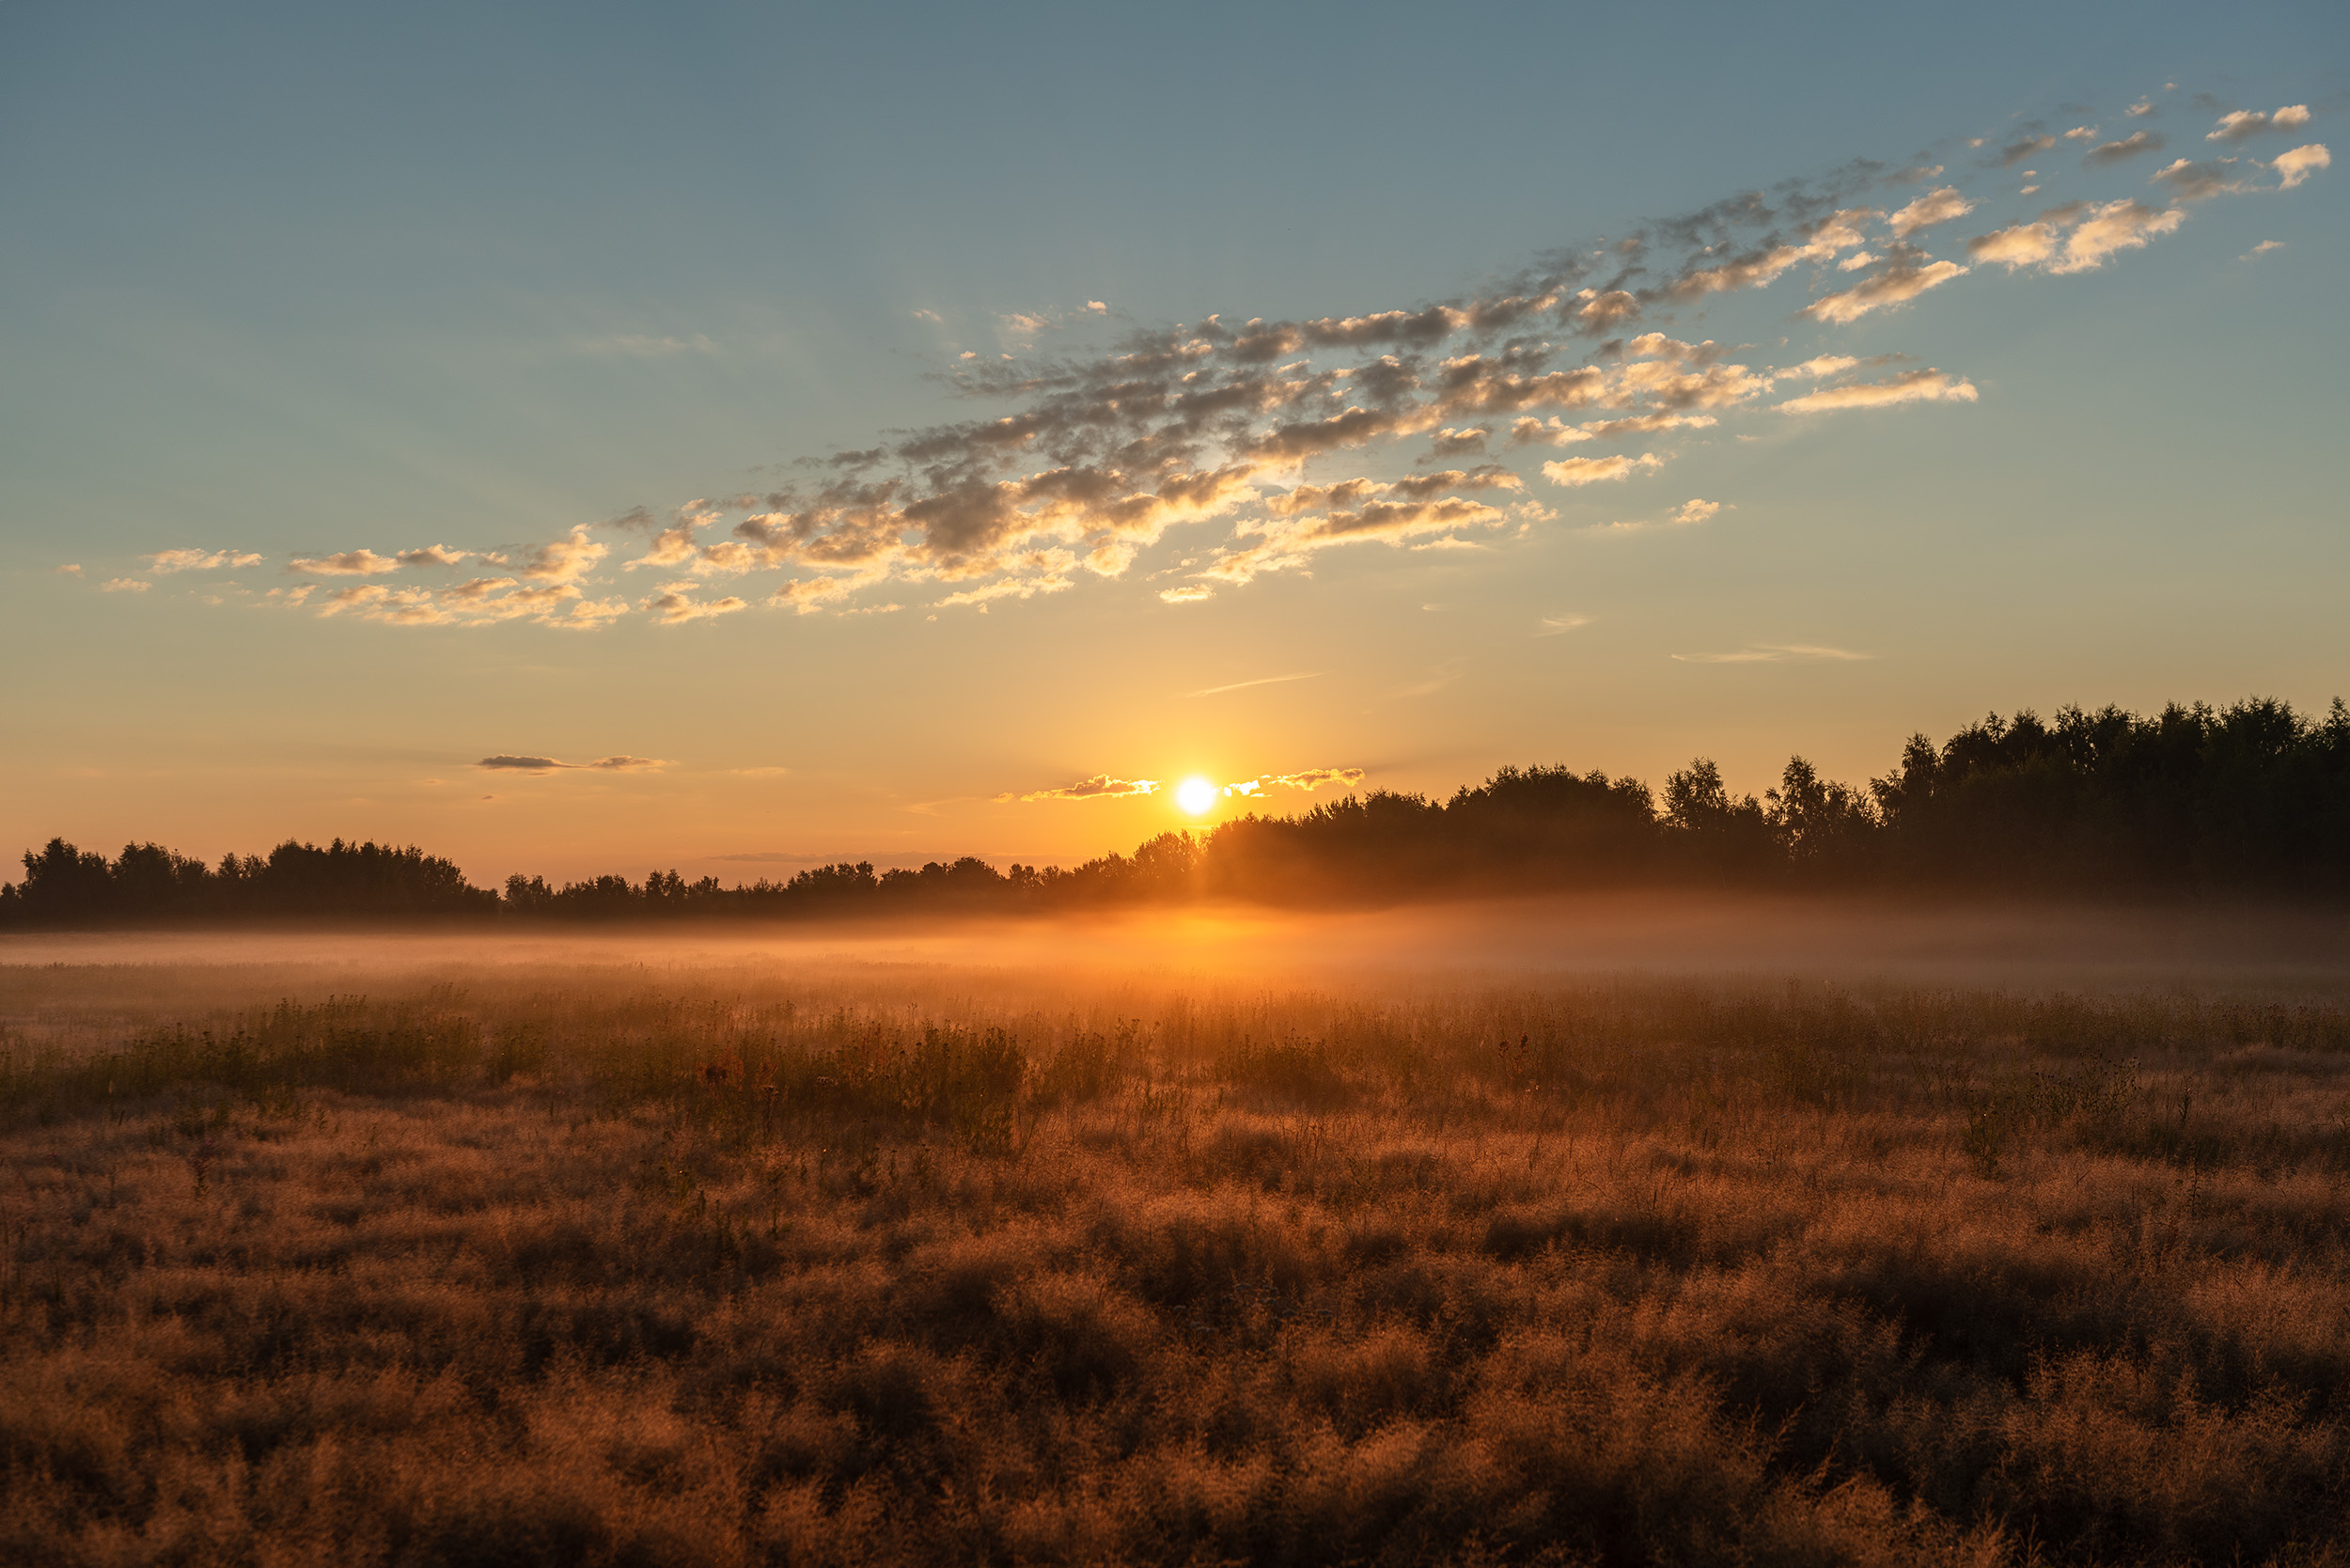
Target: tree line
[(2249, 798)]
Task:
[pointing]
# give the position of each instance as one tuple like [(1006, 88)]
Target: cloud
[(1554, 625), (124, 584), (1556, 433), (350, 563), (1899, 282), (585, 615), (2078, 236), (565, 560), (2128, 147), (392, 606), (672, 547), (2191, 181), (2298, 164), (1259, 681), (434, 555), (1933, 208), (1311, 779), (71, 569), (2116, 226), (1010, 588), (809, 595), (510, 763), (1599, 312), (2235, 127), (1309, 518), (1688, 514), (1287, 434), (1100, 786), (164, 562), (2141, 109), (2261, 249), (1776, 654), (675, 607), (1927, 385), (1759, 267), (1582, 471)]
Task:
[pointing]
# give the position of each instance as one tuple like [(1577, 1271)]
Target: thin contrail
[(1260, 681)]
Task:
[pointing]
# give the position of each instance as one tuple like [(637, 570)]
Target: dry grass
[(616, 1266)]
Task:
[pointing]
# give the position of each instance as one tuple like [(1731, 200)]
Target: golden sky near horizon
[(568, 494)]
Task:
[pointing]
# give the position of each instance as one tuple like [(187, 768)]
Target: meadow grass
[(876, 1266)]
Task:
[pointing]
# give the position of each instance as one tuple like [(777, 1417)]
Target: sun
[(1195, 795)]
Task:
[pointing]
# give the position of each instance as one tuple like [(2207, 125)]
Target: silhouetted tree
[(2251, 797)]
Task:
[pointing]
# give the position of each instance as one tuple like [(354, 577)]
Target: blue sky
[(294, 284)]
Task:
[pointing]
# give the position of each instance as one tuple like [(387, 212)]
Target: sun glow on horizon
[(1196, 795)]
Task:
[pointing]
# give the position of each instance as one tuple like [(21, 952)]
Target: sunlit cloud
[(675, 606), (2298, 164), (565, 560), (1576, 472), (2236, 126), (1100, 786), (1556, 626), (1776, 653), (1418, 427), (125, 584), (2117, 225), (1927, 385), (1933, 207), (350, 563), (1688, 514), (1897, 283), (1307, 778), (164, 562)]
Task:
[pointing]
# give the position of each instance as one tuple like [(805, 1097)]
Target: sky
[(585, 439)]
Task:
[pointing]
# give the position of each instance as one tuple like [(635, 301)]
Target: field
[(714, 1257)]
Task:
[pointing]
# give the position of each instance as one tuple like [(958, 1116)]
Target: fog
[(2029, 947)]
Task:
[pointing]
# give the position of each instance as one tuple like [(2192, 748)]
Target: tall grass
[(629, 1267)]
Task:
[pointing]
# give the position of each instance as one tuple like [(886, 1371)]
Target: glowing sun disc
[(1195, 795)]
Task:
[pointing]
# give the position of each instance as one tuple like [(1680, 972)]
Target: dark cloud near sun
[(516, 762)]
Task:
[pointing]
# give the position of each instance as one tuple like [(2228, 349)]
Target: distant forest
[(2249, 798)]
